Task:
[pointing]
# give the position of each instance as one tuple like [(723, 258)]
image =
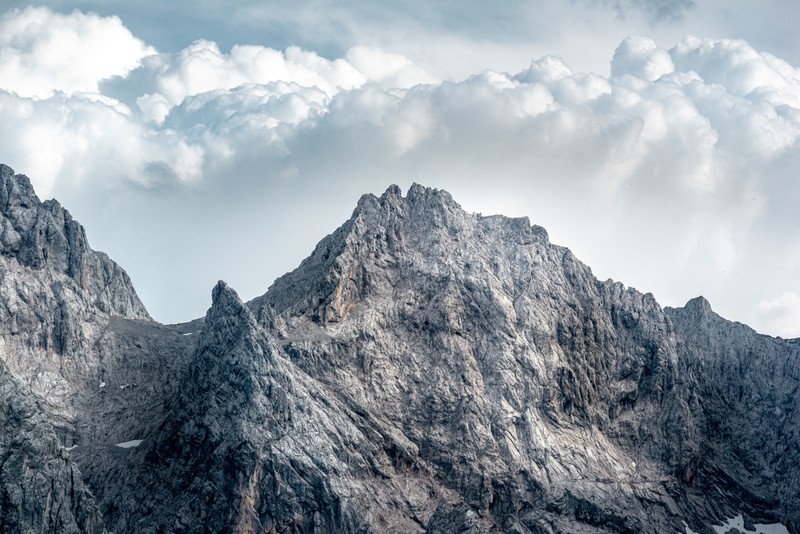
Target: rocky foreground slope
[(424, 370)]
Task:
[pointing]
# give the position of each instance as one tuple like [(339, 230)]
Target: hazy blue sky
[(209, 140)]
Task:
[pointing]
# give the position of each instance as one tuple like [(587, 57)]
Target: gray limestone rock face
[(253, 444), (41, 489), (423, 370), (72, 344), (548, 400), (56, 298), (43, 236), (742, 388)]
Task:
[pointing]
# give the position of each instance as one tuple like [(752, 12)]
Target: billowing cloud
[(90, 141), (386, 69), (671, 174), (640, 57), (203, 68), (42, 52)]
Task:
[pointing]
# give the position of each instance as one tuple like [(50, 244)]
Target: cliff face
[(43, 237), (424, 370), (56, 295), (745, 390), (253, 444), (41, 489), (82, 363), (533, 390)]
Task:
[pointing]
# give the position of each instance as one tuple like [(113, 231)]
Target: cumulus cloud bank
[(673, 174)]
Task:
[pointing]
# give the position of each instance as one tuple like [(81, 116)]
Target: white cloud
[(781, 315), (666, 175), (83, 141), (42, 52), (202, 67), (388, 70), (640, 57), (738, 67)]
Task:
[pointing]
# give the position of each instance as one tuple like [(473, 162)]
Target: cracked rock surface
[(41, 489)]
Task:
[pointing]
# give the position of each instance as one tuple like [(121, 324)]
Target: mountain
[(423, 370), (79, 361)]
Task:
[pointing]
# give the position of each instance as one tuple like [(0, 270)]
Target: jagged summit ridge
[(429, 204), (417, 194), (390, 235)]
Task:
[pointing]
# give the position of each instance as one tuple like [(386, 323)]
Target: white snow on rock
[(129, 444), (738, 523)]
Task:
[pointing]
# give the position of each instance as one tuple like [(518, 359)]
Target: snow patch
[(738, 523), (69, 448), (129, 444), (188, 333), (102, 385)]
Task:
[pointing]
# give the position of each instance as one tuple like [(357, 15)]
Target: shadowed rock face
[(427, 370), (744, 392), (41, 489)]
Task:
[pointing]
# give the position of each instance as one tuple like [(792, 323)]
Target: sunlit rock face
[(423, 370)]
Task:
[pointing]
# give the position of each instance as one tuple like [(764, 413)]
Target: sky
[(207, 140)]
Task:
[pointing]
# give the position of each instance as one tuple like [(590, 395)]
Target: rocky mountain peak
[(225, 303), (373, 209), (389, 237), (413, 291), (15, 190), (393, 192), (698, 307), (420, 202), (227, 319), (38, 233), (698, 317), (43, 235)]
